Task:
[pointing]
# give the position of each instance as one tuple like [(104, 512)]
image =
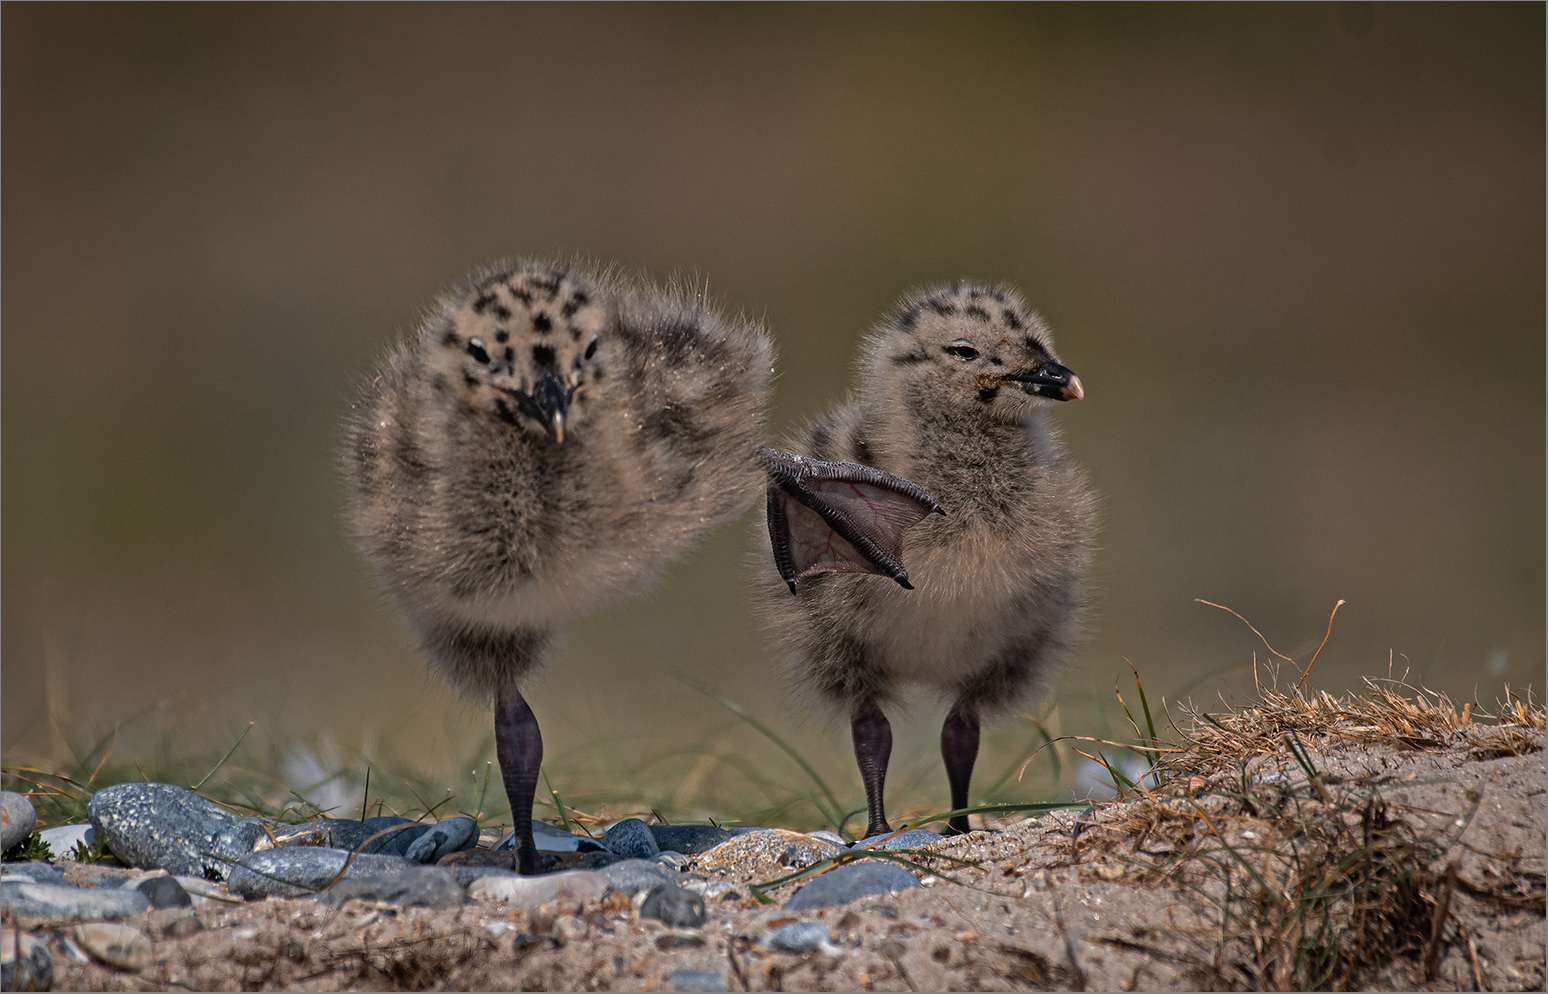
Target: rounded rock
[(672, 905), (304, 870), (630, 838), (914, 838), (767, 847), (851, 882), (54, 901), (798, 937), (17, 820), (65, 840), (636, 876), (531, 892), (160, 826), (122, 947), (164, 892)]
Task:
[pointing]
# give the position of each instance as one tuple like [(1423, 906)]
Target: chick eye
[(476, 350), (962, 350), (591, 349)]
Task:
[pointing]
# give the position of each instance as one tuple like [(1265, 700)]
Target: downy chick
[(954, 389), (547, 442)]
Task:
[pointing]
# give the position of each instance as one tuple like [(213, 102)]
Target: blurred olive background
[(1296, 254)]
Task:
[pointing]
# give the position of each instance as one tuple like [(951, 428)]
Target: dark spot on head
[(909, 358), (1036, 346), (469, 378), (1013, 319), (543, 356), (998, 296), (549, 284), (522, 294), (541, 323), (510, 356), (504, 411), (450, 338), (482, 303), (995, 360), (988, 393), (863, 453), (502, 312), (575, 333), (577, 300), (502, 336), (975, 312), (908, 318), (438, 384), (941, 307)]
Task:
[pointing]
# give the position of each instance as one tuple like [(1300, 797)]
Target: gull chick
[(545, 443), (954, 392)]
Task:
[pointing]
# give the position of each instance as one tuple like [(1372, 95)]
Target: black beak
[(549, 403), (1049, 380)]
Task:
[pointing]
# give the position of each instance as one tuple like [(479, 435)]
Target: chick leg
[(959, 748), (873, 748), (519, 746)]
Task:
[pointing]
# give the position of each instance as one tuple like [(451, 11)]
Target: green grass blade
[(229, 752)]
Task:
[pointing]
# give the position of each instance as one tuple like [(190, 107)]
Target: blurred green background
[(1296, 254)]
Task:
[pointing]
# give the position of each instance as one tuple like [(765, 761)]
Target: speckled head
[(521, 344), (980, 346)]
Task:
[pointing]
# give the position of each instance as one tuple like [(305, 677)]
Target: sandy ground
[(1404, 861)]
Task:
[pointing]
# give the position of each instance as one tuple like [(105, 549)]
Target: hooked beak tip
[(556, 427), (1074, 391)]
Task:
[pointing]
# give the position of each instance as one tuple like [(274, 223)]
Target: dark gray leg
[(519, 746), (959, 748), (873, 748)]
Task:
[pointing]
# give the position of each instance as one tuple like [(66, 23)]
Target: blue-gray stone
[(911, 839), (63, 839), (682, 980), (851, 882), (630, 838), (26, 965), (303, 870), (17, 820), (798, 937), (634, 876), (690, 840), (164, 892), (443, 839), (97, 875), (827, 836), (159, 826), (37, 871), (424, 886), (551, 838), (673, 906), (53, 901)]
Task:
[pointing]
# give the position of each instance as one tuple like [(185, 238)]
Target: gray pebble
[(798, 937), (297, 872), (635, 876), (911, 839), (827, 836), (851, 882), (671, 905), (54, 901), (687, 980), (551, 838), (17, 820), (690, 840), (63, 839), (630, 838), (423, 886), (98, 875), (37, 871), (25, 963), (159, 826), (164, 892), (443, 839), (347, 833)]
